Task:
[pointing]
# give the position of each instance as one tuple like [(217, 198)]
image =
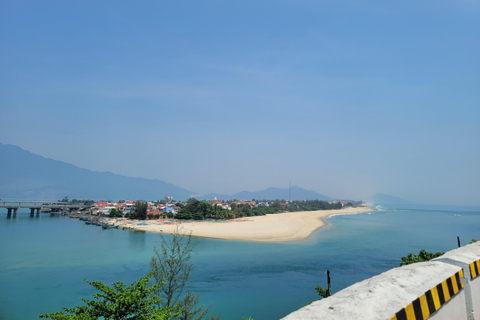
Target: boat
[(109, 226)]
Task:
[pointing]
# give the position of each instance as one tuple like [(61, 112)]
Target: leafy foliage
[(473, 241), (171, 268), (422, 256), (115, 213), (201, 210), (322, 292), (139, 210), (136, 301)]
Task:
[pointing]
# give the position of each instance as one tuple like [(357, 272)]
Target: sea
[(44, 260)]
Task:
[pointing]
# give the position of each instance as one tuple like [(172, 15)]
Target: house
[(100, 204), (106, 210), (128, 206), (173, 210)]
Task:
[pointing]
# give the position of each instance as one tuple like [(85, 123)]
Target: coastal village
[(249, 220), (169, 208), (127, 214)]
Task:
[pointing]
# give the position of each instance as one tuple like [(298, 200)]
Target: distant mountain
[(271, 194), (386, 199), (24, 175)]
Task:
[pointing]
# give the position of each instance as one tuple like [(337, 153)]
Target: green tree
[(192, 206), (205, 208), (136, 302), (139, 210), (171, 269), (422, 256), (183, 214), (115, 213)]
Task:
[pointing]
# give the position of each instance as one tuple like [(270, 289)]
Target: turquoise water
[(44, 260)]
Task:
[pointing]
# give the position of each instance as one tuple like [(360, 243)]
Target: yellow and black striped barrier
[(432, 300), (474, 268)]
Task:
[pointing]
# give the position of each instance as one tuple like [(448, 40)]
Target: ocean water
[(44, 260)]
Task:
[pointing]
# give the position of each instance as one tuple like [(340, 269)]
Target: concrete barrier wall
[(475, 287), (444, 288), (476, 298)]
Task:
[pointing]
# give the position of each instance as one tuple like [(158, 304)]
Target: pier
[(37, 206)]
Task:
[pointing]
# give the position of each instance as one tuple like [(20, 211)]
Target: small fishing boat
[(109, 226)]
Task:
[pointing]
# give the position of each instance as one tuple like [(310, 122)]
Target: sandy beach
[(281, 227)]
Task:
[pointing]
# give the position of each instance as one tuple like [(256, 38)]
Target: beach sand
[(280, 227)]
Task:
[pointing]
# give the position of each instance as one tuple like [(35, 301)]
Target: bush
[(422, 256)]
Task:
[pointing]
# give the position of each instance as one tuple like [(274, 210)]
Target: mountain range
[(24, 175), (297, 193), (27, 176)]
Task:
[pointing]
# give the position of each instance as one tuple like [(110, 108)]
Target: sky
[(345, 98)]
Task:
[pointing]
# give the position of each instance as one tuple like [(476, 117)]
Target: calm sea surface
[(44, 260)]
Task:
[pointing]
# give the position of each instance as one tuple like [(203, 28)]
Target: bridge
[(37, 206)]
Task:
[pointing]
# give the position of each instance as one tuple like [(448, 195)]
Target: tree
[(136, 302), (171, 269), (422, 256), (115, 213), (139, 210), (183, 214)]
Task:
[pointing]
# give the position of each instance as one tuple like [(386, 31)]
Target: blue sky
[(346, 98)]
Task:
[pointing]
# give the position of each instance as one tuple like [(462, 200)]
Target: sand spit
[(281, 227)]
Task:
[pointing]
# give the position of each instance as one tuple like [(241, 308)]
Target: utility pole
[(290, 191), (329, 290)]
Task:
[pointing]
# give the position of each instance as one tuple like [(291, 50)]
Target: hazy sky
[(346, 98)]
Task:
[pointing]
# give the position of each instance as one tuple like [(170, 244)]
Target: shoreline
[(280, 227)]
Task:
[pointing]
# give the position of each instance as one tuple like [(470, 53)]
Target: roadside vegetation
[(119, 302), (422, 256), (172, 270)]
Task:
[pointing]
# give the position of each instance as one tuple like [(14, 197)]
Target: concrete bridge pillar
[(38, 212), (32, 212), (10, 210)]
